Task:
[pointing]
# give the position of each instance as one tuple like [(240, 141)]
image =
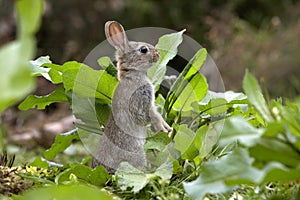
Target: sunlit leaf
[(189, 87), (167, 46)]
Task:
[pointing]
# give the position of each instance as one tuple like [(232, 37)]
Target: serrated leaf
[(62, 141), (167, 46), (41, 67), (37, 63), (255, 96), (40, 102)]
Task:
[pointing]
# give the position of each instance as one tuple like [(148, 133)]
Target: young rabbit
[(133, 103)]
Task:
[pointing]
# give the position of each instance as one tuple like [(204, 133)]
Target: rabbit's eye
[(143, 49)]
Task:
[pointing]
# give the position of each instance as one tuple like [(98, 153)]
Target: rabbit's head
[(130, 55)]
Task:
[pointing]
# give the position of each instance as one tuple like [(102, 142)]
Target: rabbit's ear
[(116, 36)]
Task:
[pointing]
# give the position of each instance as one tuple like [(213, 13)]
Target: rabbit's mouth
[(155, 56)]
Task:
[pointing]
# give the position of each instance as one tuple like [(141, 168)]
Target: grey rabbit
[(132, 105)]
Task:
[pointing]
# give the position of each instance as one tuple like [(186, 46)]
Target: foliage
[(268, 147), (15, 73), (222, 144)]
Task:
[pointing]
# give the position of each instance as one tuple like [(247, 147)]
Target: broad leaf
[(62, 192), (238, 129), (236, 168), (233, 167), (129, 176), (167, 46), (158, 142), (15, 75), (271, 149), (40, 102), (99, 83), (97, 176)]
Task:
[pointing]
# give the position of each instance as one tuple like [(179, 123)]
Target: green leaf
[(209, 136), (236, 168), (130, 176), (158, 142), (167, 46), (99, 83), (41, 102), (185, 141), (37, 63), (189, 87), (62, 142), (40, 67), (290, 114), (15, 75), (238, 129), (97, 176), (29, 16), (214, 107), (235, 97), (215, 174), (255, 97), (271, 149), (39, 162), (105, 63), (165, 171), (62, 192)]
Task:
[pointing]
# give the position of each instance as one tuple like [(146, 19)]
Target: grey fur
[(133, 104)]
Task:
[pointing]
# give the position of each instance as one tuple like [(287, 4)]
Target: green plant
[(223, 145), (251, 134), (15, 72)]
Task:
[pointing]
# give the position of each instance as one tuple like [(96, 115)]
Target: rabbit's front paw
[(163, 126)]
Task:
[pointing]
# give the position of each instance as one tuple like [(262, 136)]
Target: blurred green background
[(261, 35)]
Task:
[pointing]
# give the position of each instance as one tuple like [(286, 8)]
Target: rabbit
[(133, 105)]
